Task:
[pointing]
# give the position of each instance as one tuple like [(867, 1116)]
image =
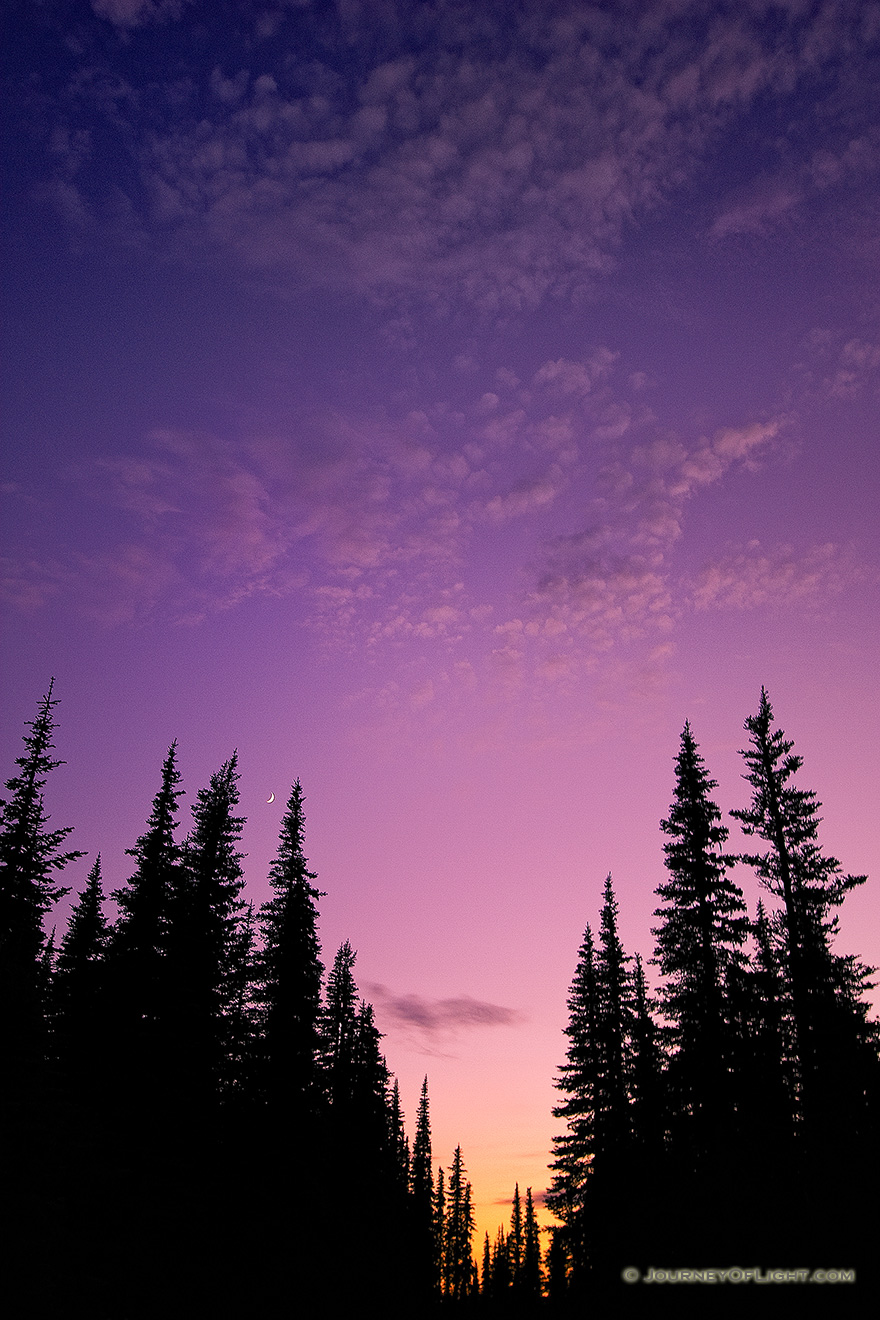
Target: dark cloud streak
[(440, 1017)]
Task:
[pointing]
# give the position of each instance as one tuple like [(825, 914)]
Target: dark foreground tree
[(532, 1282), (31, 855), (290, 973), (833, 1047), (702, 928), (80, 979), (144, 1000), (613, 1030), (458, 1271), (206, 941)]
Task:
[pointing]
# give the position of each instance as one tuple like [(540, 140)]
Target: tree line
[(200, 1119), (195, 1106), (731, 1117)]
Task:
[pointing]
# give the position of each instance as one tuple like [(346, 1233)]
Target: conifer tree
[(145, 998), (502, 1273), (439, 1233), (613, 1025), (338, 1029), (833, 1044), (207, 931), (369, 1089), (422, 1177), (531, 1262), (31, 855), (422, 1184), (79, 966), (515, 1242), (145, 902), (703, 925), (486, 1272), (578, 1076), (458, 1260), (290, 969), (398, 1144)]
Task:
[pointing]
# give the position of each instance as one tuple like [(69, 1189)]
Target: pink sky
[(440, 406)]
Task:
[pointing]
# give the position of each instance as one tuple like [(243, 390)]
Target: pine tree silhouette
[(144, 1006), (205, 936), (703, 925), (579, 1076), (532, 1282), (833, 1045), (458, 1257), (80, 981), (30, 856), (290, 972)]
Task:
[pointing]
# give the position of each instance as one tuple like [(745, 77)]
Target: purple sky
[(440, 403)]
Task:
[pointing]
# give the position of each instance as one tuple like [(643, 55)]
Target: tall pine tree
[(206, 934), (703, 925), (833, 1044), (613, 1024), (31, 855), (144, 997), (458, 1257), (290, 971), (80, 978), (578, 1079)]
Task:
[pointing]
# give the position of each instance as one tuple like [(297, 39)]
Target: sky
[(440, 403)]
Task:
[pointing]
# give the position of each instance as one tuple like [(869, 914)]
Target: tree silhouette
[(613, 1026), (144, 999), (703, 925), (338, 1030), (80, 973), (30, 856), (515, 1240), (422, 1183), (206, 935), (574, 1150), (832, 1042), (439, 1223), (458, 1258), (398, 1143), (531, 1261), (290, 971)]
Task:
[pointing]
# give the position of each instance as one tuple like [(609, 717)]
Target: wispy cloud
[(438, 1020)]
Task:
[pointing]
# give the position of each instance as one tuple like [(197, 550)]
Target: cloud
[(858, 367), (440, 1017), (487, 157), (755, 578), (526, 496), (766, 203), (136, 13)]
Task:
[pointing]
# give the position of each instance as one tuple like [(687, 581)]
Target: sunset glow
[(440, 404)]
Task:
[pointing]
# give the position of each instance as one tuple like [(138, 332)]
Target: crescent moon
[(271, 799)]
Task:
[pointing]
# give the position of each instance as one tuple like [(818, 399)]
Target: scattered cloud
[(136, 13), (763, 207), (487, 158), (754, 578), (439, 1018), (858, 367)]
